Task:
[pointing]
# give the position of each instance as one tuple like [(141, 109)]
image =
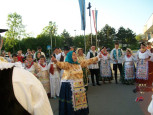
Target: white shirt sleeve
[(111, 55), (137, 55), (149, 53), (124, 59), (122, 53), (48, 66), (88, 55)]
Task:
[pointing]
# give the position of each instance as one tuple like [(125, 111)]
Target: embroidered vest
[(54, 55), (91, 54), (119, 53)]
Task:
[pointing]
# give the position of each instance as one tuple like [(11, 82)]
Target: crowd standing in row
[(67, 72)]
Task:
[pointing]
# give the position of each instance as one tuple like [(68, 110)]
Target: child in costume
[(43, 75), (128, 73), (54, 74)]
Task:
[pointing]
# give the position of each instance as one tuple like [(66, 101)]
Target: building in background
[(148, 29)]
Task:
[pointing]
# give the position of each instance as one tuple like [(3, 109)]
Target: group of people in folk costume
[(48, 74), (72, 98), (66, 75)]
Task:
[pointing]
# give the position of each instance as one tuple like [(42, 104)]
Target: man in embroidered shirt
[(94, 68), (117, 55)]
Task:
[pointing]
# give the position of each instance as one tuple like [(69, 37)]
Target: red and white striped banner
[(94, 13)]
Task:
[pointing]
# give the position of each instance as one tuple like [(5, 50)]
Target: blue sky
[(36, 14)]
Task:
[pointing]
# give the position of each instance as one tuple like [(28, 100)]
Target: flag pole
[(91, 29), (89, 7), (96, 26), (96, 39), (84, 42)]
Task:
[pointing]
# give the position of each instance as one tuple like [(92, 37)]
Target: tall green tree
[(121, 35), (140, 37), (127, 38), (68, 40), (79, 41), (65, 34), (16, 30), (130, 37), (106, 36), (50, 29)]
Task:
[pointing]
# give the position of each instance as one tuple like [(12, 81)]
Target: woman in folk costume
[(81, 56), (105, 68), (128, 73), (31, 66), (38, 54), (142, 74), (54, 73), (44, 74), (149, 47), (73, 100), (21, 93)]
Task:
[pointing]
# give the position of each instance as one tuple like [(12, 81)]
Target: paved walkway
[(113, 99)]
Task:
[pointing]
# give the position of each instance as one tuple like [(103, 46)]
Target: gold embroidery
[(74, 71), (79, 96)]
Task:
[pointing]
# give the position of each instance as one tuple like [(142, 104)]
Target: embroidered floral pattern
[(115, 55), (142, 70), (129, 70), (79, 98)]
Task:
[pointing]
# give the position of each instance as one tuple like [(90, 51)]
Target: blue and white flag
[(83, 14)]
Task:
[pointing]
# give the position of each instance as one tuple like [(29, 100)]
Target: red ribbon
[(51, 69)]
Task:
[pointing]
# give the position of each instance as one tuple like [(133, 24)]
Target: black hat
[(66, 48), (3, 30)]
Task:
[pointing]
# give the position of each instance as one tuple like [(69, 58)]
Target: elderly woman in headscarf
[(81, 56), (128, 73), (73, 99)]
